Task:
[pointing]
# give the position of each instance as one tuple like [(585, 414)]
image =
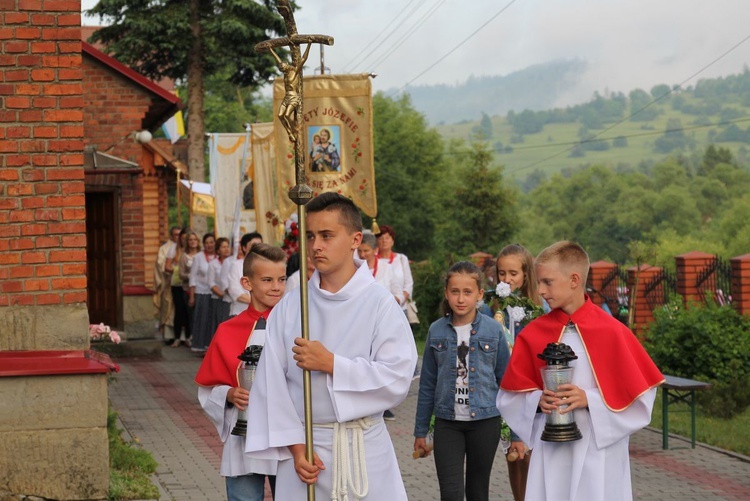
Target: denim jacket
[(488, 357)]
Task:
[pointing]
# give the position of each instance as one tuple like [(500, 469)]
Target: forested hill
[(535, 88), (617, 130)]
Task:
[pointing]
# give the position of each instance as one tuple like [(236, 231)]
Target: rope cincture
[(349, 472)]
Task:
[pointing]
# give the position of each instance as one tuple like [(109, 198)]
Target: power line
[(415, 7), (369, 44), (503, 9), (595, 139), (654, 101), (409, 33)]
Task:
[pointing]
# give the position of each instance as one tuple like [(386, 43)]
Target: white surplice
[(374, 360), (234, 461), (594, 467)]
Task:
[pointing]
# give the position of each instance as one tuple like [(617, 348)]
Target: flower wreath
[(521, 307)]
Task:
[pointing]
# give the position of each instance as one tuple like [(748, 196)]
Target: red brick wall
[(42, 205), (688, 267), (114, 108), (741, 283), (643, 314)]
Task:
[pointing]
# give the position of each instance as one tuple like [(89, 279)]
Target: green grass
[(546, 150), (131, 467), (730, 434)]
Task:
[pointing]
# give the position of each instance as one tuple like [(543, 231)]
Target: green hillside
[(715, 111)]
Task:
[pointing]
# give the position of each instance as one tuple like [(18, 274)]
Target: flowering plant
[(291, 236), (101, 332), (521, 307)]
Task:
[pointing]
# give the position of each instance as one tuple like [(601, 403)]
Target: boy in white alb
[(361, 357), (220, 394)]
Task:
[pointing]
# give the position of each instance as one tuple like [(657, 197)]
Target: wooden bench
[(678, 389)]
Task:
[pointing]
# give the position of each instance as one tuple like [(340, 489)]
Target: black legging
[(474, 441), (181, 312)]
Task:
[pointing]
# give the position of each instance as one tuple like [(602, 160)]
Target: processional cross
[(290, 116)]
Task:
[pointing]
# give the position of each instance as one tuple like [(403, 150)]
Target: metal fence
[(715, 282), (659, 289), (614, 291)]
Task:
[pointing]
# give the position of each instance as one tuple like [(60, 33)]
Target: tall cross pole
[(290, 116)]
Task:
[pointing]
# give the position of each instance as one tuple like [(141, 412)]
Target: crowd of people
[(480, 373)]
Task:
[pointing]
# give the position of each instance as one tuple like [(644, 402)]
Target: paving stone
[(158, 406)]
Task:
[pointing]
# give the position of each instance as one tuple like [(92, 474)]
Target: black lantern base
[(560, 433), (240, 428)]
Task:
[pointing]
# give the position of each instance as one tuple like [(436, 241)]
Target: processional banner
[(246, 196), (337, 134)]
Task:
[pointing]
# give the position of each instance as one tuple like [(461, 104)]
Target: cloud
[(627, 43)]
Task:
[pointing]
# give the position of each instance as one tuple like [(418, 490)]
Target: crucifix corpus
[(290, 116)]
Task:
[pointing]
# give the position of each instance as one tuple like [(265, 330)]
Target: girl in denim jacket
[(464, 360)]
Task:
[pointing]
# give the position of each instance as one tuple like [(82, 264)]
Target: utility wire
[(454, 49), (654, 101), (594, 139), (409, 33), (369, 44), (415, 7)]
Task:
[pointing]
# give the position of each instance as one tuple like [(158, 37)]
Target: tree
[(410, 172), (190, 41), (483, 131), (479, 213), (660, 90), (228, 106)]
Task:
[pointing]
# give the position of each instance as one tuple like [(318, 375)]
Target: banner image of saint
[(337, 141), (324, 155)]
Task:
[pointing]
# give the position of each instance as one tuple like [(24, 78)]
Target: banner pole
[(177, 196), (290, 116)]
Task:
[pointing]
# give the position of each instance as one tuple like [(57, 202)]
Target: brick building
[(126, 184), (73, 220)]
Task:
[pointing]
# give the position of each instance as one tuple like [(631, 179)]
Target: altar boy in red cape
[(264, 271), (611, 396)]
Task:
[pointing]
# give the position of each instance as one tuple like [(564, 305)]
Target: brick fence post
[(689, 266), (597, 273), (741, 283), (643, 314)]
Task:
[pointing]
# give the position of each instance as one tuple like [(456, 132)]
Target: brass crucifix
[(290, 111), (290, 116)]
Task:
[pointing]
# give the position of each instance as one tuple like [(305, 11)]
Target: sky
[(626, 43)]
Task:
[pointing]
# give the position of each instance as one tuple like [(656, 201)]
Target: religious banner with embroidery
[(337, 134), (247, 196)]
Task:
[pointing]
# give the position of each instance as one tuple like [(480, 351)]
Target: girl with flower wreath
[(517, 301)]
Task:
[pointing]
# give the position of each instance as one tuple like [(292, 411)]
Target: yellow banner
[(337, 134), (203, 205)]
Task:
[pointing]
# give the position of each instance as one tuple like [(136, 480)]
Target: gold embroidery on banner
[(231, 149)]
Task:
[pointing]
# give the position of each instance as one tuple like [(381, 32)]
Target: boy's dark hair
[(207, 236), (247, 237), (292, 264), (262, 252), (348, 212)]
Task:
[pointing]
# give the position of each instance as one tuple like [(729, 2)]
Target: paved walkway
[(157, 403)]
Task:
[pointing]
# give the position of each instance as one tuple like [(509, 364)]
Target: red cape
[(220, 364), (622, 369)]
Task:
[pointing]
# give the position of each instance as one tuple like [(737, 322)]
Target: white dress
[(374, 359), (594, 467)]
